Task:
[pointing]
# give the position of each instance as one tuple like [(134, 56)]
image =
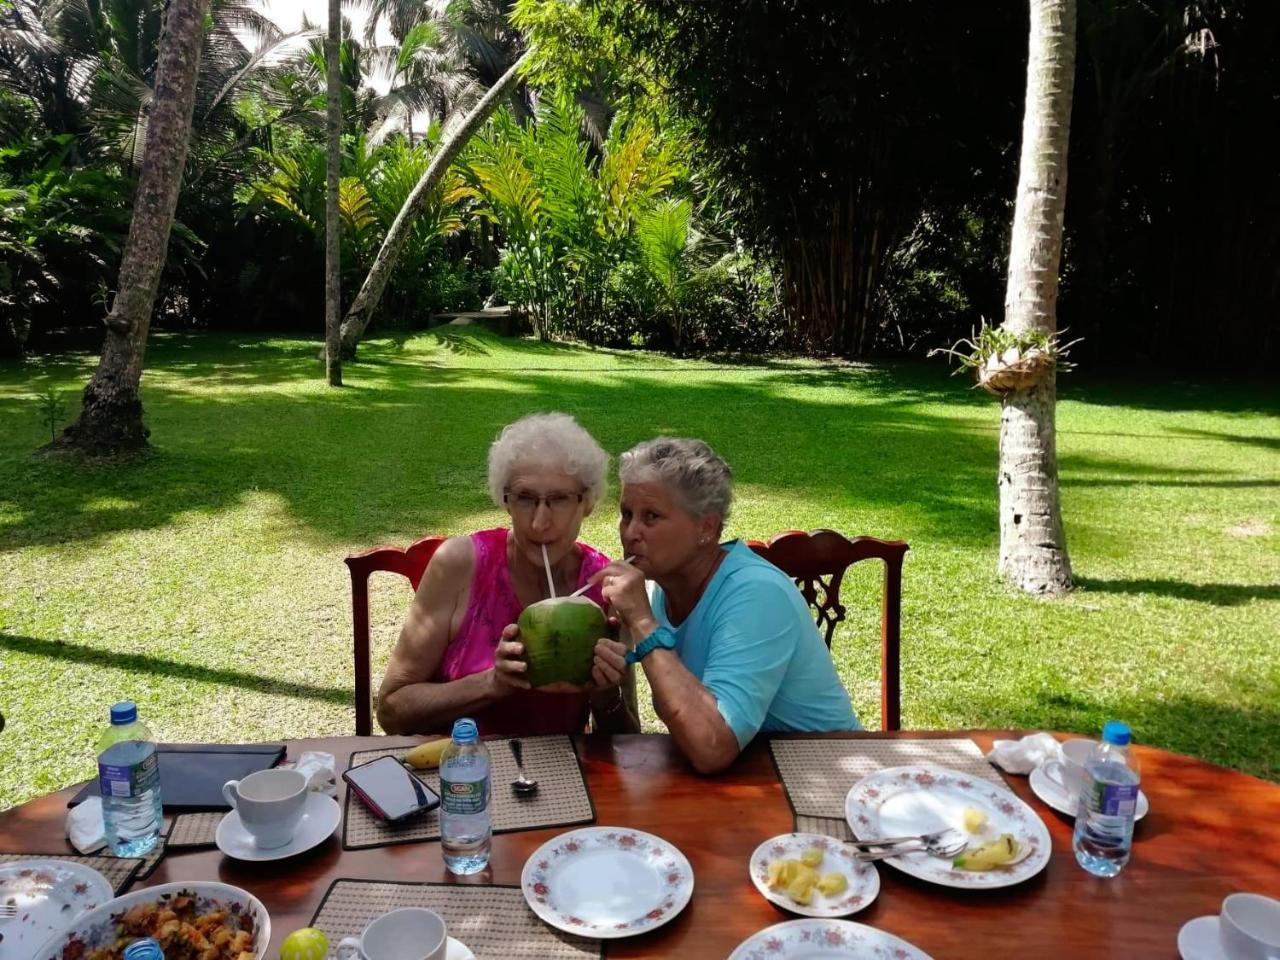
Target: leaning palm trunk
[(1033, 546), (332, 224), (366, 300), (110, 420)]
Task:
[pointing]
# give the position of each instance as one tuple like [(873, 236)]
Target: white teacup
[(1249, 927), (410, 933), (270, 804), (1068, 773)]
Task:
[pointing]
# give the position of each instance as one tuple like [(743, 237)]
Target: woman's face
[(660, 533), (546, 506)]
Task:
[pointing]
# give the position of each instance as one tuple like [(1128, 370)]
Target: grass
[(206, 582)]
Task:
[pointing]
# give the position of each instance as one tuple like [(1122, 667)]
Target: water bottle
[(1108, 803), (129, 779), (466, 826)]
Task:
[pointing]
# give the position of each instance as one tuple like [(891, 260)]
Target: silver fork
[(8, 911), (944, 844)]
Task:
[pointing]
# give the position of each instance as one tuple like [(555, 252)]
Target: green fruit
[(559, 637), (988, 857), (305, 944)]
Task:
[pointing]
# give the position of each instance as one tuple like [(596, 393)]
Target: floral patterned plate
[(863, 882), (908, 801), (836, 939), (607, 882), (49, 895)]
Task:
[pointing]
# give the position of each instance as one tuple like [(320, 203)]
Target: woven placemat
[(817, 774), (493, 921), (562, 799), (119, 871), (194, 830)]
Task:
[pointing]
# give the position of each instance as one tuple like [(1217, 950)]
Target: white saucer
[(457, 950), (320, 817), (1197, 940), (1052, 794)]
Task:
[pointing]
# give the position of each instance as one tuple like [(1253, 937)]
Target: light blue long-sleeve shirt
[(752, 642)]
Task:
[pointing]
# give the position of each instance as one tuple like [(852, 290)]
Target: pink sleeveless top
[(491, 606)]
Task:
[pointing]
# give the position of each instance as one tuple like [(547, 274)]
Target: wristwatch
[(660, 638)]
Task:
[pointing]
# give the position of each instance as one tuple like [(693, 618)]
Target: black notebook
[(192, 774)]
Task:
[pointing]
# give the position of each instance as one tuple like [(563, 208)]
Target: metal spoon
[(522, 785)]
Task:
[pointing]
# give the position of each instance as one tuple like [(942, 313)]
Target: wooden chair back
[(411, 564), (817, 562)]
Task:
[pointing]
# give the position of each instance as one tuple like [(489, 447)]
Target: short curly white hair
[(699, 477), (553, 441)]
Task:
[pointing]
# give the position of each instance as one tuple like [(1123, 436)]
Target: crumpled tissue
[(320, 770), (1023, 756), (85, 828)]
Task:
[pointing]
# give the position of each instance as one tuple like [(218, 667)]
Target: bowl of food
[(191, 921)]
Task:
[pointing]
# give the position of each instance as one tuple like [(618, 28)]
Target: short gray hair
[(552, 440), (702, 481)]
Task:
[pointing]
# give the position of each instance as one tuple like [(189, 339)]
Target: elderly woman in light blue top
[(726, 641)]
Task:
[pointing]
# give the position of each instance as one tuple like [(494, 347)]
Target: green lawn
[(207, 582)]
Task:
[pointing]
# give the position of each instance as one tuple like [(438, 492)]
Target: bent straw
[(546, 565), (587, 586)]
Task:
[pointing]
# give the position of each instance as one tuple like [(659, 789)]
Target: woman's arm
[(408, 702), (688, 708)]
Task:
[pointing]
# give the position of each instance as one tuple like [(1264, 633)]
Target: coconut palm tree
[(1033, 546)]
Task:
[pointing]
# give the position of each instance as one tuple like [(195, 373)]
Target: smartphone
[(389, 790)]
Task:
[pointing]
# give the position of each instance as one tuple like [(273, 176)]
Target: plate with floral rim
[(48, 896), (607, 882), (912, 800), (802, 939), (861, 878)]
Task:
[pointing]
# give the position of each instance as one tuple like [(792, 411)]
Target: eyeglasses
[(560, 504)]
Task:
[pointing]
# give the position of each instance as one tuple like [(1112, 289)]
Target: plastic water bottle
[(129, 779), (466, 826), (1108, 803)]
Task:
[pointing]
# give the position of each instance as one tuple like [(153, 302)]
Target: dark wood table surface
[(1211, 832)]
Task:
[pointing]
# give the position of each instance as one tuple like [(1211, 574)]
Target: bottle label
[(129, 780), (464, 797), (1114, 799)]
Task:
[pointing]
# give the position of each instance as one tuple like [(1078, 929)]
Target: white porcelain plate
[(320, 817), (913, 800), (101, 927), (49, 896), (1048, 790), (607, 882), (861, 879), (825, 939)]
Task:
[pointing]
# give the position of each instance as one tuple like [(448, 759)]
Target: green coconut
[(559, 637)]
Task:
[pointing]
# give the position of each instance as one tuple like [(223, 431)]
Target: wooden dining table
[(1210, 832)]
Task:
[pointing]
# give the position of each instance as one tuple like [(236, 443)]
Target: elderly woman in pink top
[(459, 652)]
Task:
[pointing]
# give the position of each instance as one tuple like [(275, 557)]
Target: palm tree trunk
[(110, 420), (1033, 545), (366, 301), (332, 223)]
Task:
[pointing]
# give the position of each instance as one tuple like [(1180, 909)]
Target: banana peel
[(989, 856), (426, 756)]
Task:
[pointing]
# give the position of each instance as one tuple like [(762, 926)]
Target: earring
[(703, 542)]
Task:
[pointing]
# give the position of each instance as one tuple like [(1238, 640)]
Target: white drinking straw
[(546, 563)]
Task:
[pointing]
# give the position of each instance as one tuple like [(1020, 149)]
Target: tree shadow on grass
[(173, 669), (1218, 594)]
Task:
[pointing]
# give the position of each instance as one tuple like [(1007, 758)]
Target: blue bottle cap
[(144, 949), (1117, 732), (124, 712), (464, 731)]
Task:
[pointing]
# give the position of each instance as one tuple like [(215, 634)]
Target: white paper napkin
[(85, 828), (1023, 756), (320, 770)]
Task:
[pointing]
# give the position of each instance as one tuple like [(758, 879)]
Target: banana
[(988, 856), (426, 756)]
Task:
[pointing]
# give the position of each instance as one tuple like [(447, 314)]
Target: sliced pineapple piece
[(811, 857), (779, 874), (832, 884), (975, 820), (801, 888), (989, 856)]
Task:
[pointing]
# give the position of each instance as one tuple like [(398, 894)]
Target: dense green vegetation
[(207, 582)]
